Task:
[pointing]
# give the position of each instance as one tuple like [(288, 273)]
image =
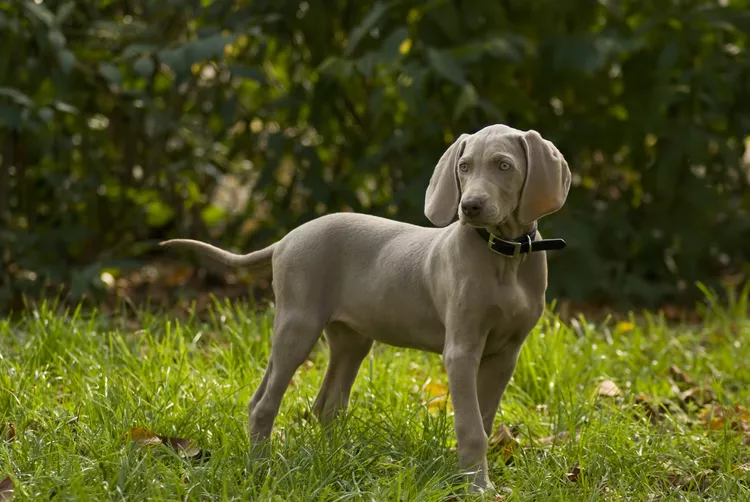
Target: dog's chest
[(513, 316)]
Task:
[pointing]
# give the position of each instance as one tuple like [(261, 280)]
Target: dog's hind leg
[(347, 351), (260, 390), (293, 339)]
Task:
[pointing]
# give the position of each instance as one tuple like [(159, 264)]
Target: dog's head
[(496, 174)]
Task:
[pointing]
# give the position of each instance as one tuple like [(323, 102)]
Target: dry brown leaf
[(680, 376), (743, 418), (178, 276), (653, 410), (437, 395), (556, 438), (502, 441), (144, 437), (608, 388), (574, 474), (699, 395), (184, 447), (697, 482), (715, 416), (6, 489)]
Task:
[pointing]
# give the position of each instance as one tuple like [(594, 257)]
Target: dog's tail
[(257, 261)]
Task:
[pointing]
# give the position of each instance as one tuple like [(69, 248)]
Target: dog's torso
[(413, 274)]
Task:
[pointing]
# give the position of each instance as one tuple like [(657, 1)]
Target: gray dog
[(471, 290)]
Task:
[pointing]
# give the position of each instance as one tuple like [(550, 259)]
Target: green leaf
[(67, 60), (207, 48), (390, 50), (502, 48), (46, 114), (175, 59), (64, 107), (365, 26), (9, 24), (668, 56), (336, 67), (110, 72), (17, 96), (138, 49), (467, 99), (144, 67), (39, 12), (10, 116), (248, 72), (491, 110), (446, 66), (64, 12), (181, 58), (57, 39), (366, 64)]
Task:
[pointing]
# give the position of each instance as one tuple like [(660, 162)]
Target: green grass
[(74, 385)]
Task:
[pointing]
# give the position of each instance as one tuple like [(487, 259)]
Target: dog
[(471, 289)]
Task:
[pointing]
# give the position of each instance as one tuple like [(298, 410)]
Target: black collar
[(520, 245)]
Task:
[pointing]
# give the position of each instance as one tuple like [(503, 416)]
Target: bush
[(127, 122)]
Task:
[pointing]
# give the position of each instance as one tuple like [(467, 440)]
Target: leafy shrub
[(127, 122)]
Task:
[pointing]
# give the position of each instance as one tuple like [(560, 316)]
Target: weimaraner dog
[(471, 290)]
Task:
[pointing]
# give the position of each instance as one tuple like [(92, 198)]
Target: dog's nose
[(471, 206)]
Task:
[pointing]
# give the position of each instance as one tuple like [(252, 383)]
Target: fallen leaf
[(502, 441), (435, 388), (184, 447), (697, 482), (6, 489), (144, 437), (178, 276), (624, 326), (699, 395), (574, 474), (743, 416), (654, 411), (608, 388), (556, 438), (716, 416), (437, 393), (437, 403), (680, 376)]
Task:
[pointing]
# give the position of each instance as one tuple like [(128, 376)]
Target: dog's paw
[(481, 487)]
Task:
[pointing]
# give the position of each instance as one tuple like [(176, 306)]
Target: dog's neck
[(510, 229)]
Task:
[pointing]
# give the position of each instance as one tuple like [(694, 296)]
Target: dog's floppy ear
[(547, 179), (441, 200)]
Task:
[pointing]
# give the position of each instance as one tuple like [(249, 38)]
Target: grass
[(75, 385)]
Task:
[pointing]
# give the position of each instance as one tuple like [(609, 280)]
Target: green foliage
[(123, 122)]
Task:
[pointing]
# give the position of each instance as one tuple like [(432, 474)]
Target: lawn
[(633, 409)]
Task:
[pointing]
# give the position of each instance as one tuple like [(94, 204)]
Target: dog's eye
[(505, 165), (463, 166)]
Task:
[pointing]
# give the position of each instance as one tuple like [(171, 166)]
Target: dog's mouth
[(481, 222)]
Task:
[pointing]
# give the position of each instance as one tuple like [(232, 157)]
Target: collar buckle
[(516, 246)]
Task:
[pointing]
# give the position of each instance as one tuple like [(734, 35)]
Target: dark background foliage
[(123, 122)]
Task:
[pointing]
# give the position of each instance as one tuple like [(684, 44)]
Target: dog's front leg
[(462, 363)]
